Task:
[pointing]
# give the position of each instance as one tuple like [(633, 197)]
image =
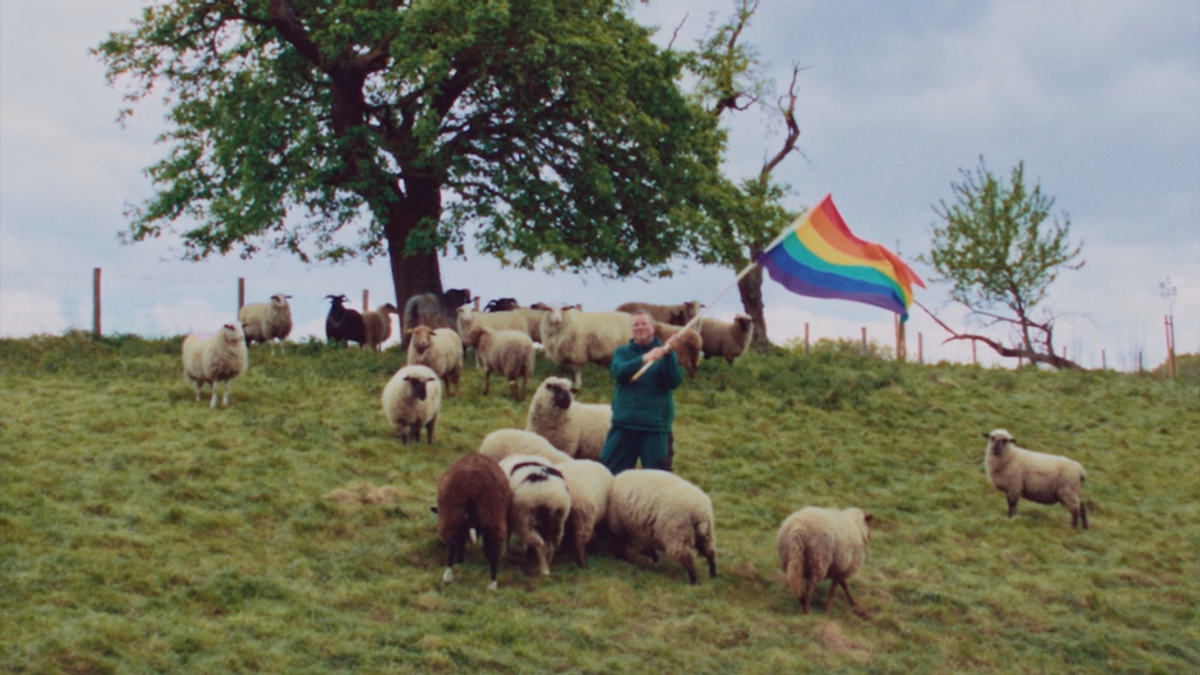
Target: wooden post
[(96, 302), (241, 293), (366, 300), (864, 341), (901, 339), (974, 353), (1103, 360), (920, 348), (1169, 323), (806, 338), (1139, 362)]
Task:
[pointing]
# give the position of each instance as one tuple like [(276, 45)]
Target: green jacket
[(645, 405)]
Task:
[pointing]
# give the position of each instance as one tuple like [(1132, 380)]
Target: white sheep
[(377, 323), (815, 544), (571, 337), (589, 484), (412, 399), (578, 429), (440, 350), (533, 320), (540, 506), (675, 315), (217, 358), (469, 317), (1036, 476), (503, 443), (728, 340), (267, 321), (473, 494), (665, 513), (508, 352)]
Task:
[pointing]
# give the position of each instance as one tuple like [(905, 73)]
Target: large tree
[(554, 132), (999, 247)]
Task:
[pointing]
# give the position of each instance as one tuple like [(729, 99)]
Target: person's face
[(643, 329)]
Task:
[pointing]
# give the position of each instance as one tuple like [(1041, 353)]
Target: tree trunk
[(750, 288), (413, 273)]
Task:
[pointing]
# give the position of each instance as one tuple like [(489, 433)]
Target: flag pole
[(741, 275)]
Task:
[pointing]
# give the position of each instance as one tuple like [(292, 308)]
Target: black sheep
[(433, 310), (344, 324)]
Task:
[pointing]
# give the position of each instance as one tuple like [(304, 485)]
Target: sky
[(1099, 98)]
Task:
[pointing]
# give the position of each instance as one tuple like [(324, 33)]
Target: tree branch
[(1049, 358), (789, 116), (283, 19)]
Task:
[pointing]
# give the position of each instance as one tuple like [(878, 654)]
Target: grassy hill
[(141, 531)]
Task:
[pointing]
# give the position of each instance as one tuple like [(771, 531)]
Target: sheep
[(377, 325), (267, 321), (1036, 476), (539, 508), (440, 350), (578, 429), (344, 325), (664, 512), (468, 318), (508, 352), (675, 315), (503, 443), (725, 339), (687, 348), (436, 310), (411, 400), (815, 544), (589, 484), (473, 494), (501, 305), (213, 359), (572, 338)]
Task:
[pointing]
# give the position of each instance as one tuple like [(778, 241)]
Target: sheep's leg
[(578, 377), (198, 388), (1083, 514), (690, 565), (846, 588), (225, 402), (513, 387), (213, 403), (493, 550), (429, 429), (487, 380), (1012, 506)]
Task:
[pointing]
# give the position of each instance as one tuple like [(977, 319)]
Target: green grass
[(141, 531)]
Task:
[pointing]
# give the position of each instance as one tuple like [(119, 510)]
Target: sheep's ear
[(987, 436), (433, 508), (868, 517)]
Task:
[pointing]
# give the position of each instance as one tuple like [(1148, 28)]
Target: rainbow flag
[(819, 257)]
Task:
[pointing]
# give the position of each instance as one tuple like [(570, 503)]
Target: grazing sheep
[(728, 340), (501, 305), (578, 429), (1036, 476), (503, 443), (508, 352), (687, 348), (540, 505), (572, 338), (434, 310), (674, 315), (377, 324), (267, 321), (411, 400), (469, 317), (213, 359), (589, 484), (473, 494), (344, 325), (815, 544), (440, 350), (665, 513)]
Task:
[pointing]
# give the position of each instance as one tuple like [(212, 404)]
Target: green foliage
[(554, 131), (141, 531)]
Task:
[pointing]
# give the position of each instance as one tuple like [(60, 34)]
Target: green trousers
[(623, 448)]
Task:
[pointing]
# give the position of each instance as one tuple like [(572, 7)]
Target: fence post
[(1169, 323), (366, 300), (901, 341), (96, 302), (864, 332), (806, 338), (920, 348), (974, 353), (241, 293), (1103, 360)]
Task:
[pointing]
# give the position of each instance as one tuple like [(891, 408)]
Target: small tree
[(999, 247)]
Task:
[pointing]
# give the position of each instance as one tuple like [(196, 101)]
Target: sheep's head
[(464, 317), (998, 441), (559, 391), (419, 385), (422, 338), (743, 322), (279, 300), (232, 332), (336, 300)]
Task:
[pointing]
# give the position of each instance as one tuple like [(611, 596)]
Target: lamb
[(344, 325), (436, 310), (411, 400), (572, 338), (815, 544), (663, 512), (473, 494), (440, 350), (675, 315), (267, 321), (589, 484), (539, 508), (1035, 476), (578, 429), (504, 443), (688, 347), (728, 340), (377, 325), (213, 359), (468, 318), (508, 352)]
